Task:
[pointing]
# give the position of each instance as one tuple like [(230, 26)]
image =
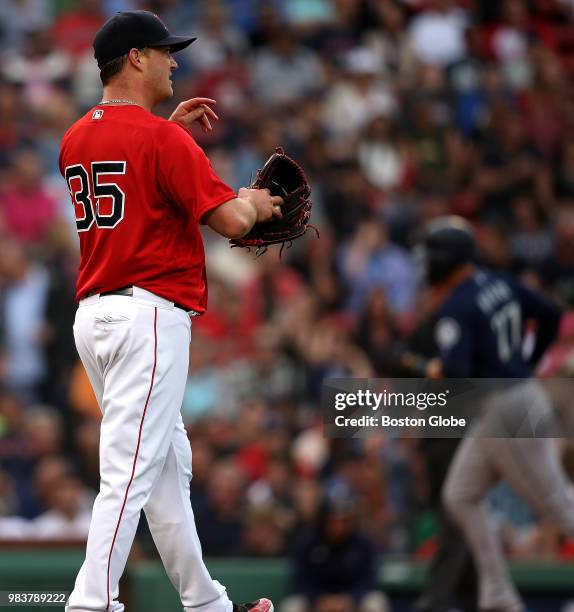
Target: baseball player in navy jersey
[(480, 332), (141, 186)]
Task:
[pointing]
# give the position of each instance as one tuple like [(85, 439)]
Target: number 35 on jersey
[(97, 200)]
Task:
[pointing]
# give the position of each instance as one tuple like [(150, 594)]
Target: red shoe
[(261, 605)]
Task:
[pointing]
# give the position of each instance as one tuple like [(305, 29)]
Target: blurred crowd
[(399, 111)]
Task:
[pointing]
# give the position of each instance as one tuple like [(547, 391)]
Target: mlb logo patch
[(97, 114)]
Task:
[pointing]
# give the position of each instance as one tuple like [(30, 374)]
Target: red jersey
[(140, 186)]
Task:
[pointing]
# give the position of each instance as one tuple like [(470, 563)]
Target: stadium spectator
[(74, 30), (369, 261), (66, 518), (221, 39), (437, 34), (26, 206), (335, 565), (24, 299), (38, 69), (18, 17), (285, 72), (219, 520)]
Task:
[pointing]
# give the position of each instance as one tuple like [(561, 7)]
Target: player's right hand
[(195, 109), (266, 205)]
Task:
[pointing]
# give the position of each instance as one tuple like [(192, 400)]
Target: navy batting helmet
[(449, 243)]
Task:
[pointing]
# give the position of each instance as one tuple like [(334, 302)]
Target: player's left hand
[(195, 109)]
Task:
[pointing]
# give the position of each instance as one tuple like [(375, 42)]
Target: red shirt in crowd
[(74, 31), (28, 213), (140, 186)]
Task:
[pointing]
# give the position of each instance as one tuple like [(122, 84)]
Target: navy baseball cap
[(134, 29)]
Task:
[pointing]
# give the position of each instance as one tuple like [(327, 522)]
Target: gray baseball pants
[(530, 466)]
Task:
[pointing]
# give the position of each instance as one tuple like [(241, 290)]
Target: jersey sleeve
[(546, 314), (454, 340), (185, 174)]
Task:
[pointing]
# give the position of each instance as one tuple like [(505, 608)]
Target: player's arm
[(545, 313), (187, 178), (235, 218), (402, 361), (453, 340)]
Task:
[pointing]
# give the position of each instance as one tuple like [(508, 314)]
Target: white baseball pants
[(136, 352)]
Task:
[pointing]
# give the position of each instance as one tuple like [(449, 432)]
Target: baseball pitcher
[(141, 186)]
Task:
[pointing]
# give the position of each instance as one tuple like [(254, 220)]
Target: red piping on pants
[(137, 450)]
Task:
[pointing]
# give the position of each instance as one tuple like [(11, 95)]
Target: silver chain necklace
[(119, 102)]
